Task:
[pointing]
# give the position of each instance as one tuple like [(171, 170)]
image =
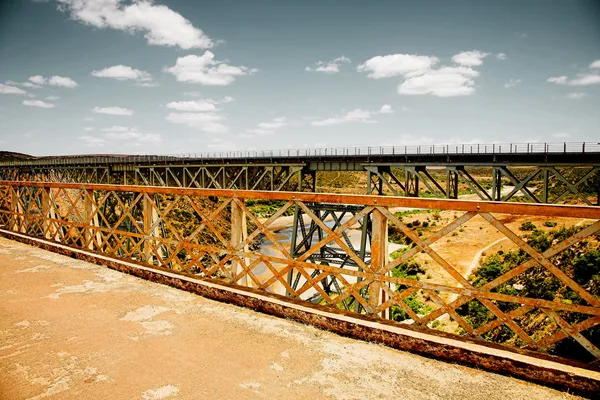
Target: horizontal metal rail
[(213, 234), (340, 152)]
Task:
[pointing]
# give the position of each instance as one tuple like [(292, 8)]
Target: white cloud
[(421, 76), (441, 82), (471, 58), (576, 95), (38, 79), (37, 103), (357, 115), (269, 127), (328, 67), (501, 56), (7, 89), (585, 79), (386, 109), (396, 65), (133, 135), (31, 85), (91, 141), (88, 128), (116, 128), (112, 111), (160, 25), (227, 99), (122, 73), (206, 70), (558, 79), (121, 134), (147, 84), (274, 124), (88, 119), (193, 106), (207, 122), (511, 83), (52, 98), (62, 81), (582, 79)]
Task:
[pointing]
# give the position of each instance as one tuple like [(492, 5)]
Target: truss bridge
[(525, 172)]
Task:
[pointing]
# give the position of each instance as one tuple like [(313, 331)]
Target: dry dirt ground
[(74, 330)]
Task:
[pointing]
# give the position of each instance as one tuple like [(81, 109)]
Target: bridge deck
[(71, 329)]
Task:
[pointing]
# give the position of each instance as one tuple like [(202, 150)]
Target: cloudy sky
[(180, 76)]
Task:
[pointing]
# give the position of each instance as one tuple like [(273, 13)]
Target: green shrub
[(527, 226)]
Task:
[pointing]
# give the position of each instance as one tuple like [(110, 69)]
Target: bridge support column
[(379, 258), (380, 175), (451, 183), (239, 233), (308, 181), (496, 184), (545, 186), (411, 182), (374, 181)]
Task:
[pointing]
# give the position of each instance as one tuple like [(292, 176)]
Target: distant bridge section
[(534, 172)]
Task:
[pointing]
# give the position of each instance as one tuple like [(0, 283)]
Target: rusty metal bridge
[(527, 172)]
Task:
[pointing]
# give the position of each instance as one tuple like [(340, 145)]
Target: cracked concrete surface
[(74, 330)]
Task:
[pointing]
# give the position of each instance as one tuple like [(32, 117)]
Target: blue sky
[(110, 76)]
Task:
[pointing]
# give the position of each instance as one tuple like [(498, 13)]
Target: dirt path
[(73, 330), (475, 263)]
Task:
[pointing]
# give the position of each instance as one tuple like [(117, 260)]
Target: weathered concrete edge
[(547, 372)]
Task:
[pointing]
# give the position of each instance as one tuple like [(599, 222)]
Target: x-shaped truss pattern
[(217, 235)]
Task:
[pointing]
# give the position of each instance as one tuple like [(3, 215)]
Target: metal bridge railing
[(412, 150), (538, 291)]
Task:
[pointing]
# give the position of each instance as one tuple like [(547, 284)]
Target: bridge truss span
[(531, 172)]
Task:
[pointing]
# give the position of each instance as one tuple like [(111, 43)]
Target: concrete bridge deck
[(74, 330)]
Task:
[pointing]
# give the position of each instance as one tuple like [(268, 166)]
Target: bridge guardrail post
[(88, 206), (239, 233), (149, 216), (379, 258), (14, 206), (46, 205)]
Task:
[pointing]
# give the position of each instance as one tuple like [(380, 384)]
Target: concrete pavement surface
[(74, 330)]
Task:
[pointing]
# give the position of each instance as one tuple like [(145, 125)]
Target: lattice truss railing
[(533, 297)]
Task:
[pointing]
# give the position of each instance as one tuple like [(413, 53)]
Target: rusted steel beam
[(573, 211), (379, 257)]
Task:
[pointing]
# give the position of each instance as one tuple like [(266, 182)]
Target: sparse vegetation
[(581, 262), (527, 226)]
